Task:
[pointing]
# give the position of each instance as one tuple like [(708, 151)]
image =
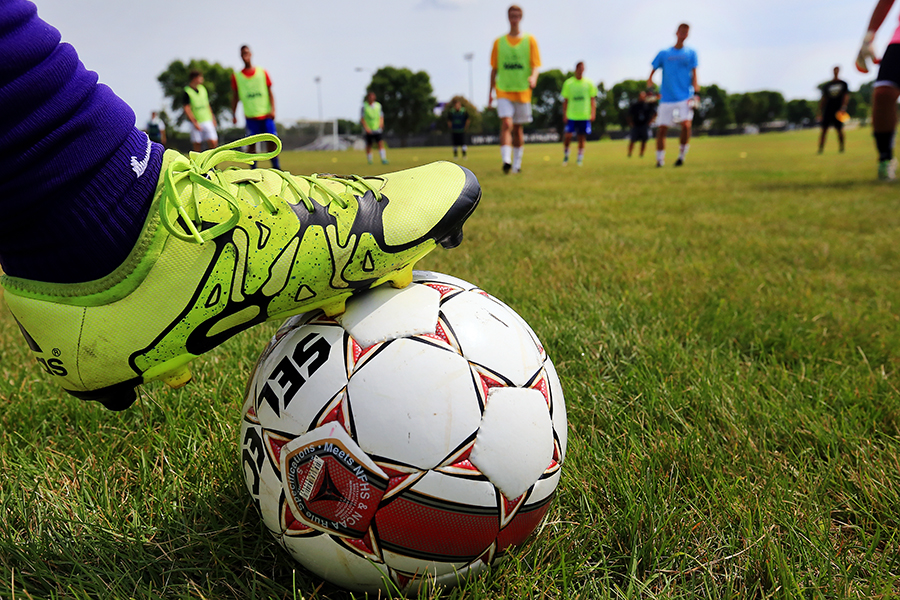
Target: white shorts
[(207, 132), (675, 112), (519, 111)]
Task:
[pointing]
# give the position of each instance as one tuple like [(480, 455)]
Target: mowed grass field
[(728, 338)]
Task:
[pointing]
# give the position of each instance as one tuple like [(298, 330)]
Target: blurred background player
[(885, 92), (579, 110), (156, 129), (372, 119), (199, 113), (252, 87), (458, 122), (515, 60), (678, 91), (835, 95), (640, 116)]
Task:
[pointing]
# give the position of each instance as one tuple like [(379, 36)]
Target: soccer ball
[(410, 441)]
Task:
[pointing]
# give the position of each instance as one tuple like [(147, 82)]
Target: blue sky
[(785, 45)]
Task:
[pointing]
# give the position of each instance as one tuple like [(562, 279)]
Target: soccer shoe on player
[(679, 162), (887, 170), (224, 250)]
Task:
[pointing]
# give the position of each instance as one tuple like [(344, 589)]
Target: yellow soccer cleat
[(222, 251)]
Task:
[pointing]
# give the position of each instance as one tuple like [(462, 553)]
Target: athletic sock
[(383, 154), (369, 157), (580, 155), (518, 151), (683, 151), (565, 154), (465, 149), (77, 178), (884, 142), (506, 154), (660, 156)]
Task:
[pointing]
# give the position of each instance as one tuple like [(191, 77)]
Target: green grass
[(728, 337)]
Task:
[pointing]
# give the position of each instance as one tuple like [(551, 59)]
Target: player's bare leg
[(518, 147), (822, 139), (685, 139), (884, 124), (506, 126), (661, 132)]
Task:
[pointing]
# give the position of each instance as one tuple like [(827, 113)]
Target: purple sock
[(72, 205)]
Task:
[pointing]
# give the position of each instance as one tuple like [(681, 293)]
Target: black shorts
[(640, 134), (831, 120), (889, 72), (459, 138), (372, 138)]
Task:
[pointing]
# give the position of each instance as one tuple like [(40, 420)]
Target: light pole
[(318, 81), (469, 56)]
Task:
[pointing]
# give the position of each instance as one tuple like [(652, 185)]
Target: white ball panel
[(329, 560), (259, 472), (560, 423), (386, 313), (426, 569), (543, 488), (462, 490), (490, 335), (413, 403), (288, 395), (515, 442)]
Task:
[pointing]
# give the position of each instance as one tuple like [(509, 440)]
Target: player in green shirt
[(198, 111), (372, 119), (579, 110)]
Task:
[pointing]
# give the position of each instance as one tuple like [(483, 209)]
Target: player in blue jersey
[(678, 93)]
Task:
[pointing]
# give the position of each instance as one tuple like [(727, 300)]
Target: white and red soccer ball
[(412, 440)]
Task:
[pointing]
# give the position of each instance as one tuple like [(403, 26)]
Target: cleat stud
[(452, 239), (402, 278), (177, 378)]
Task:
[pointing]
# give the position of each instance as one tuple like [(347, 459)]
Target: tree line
[(408, 101)]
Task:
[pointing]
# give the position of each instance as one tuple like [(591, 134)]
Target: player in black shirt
[(835, 95), (640, 115), (458, 122)]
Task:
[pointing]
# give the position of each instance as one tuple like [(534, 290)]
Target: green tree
[(546, 102), (474, 115), (607, 110), (348, 126), (744, 107), (406, 99), (769, 106), (490, 122), (865, 92), (623, 94), (715, 106), (217, 80), (800, 112)]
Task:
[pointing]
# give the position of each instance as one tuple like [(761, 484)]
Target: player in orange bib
[(515, 60)]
